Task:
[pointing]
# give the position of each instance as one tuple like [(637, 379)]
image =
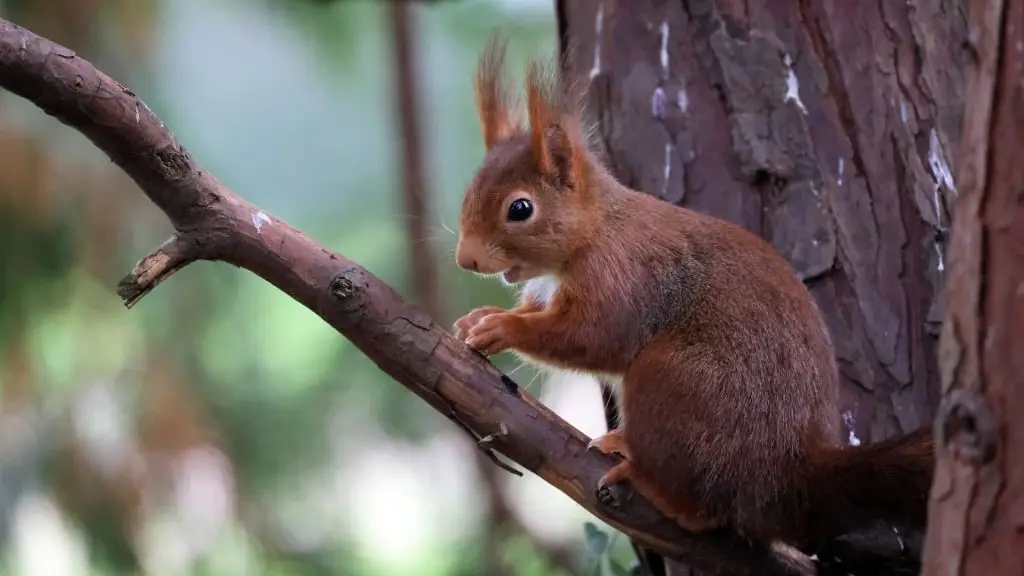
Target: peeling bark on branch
[(213, 223)]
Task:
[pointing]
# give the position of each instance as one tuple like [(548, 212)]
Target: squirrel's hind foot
[(688, 517), (615, 475), (611, 443)]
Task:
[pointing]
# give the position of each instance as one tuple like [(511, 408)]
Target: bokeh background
[(219, 427)]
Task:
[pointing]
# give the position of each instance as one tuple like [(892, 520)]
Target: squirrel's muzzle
[(470, 254)]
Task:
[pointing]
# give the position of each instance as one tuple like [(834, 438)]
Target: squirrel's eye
[(520, 209)]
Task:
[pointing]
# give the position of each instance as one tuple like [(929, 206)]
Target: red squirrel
[(727, 379)]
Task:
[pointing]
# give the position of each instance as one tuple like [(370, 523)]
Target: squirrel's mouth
[(512, 275)]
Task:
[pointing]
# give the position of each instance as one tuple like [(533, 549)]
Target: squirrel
[(724, 367)]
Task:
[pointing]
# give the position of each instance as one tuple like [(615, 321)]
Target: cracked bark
[(974, 517), (825, 126)]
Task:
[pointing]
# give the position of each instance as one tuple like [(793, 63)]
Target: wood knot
[(967, 428), (342, 288)]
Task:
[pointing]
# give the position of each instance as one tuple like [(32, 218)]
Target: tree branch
[(213, 223)]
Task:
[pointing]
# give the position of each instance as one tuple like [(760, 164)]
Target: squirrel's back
[(729, 336)]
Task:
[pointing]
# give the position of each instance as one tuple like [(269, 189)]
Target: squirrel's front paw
[(464, 324), (492, 334)]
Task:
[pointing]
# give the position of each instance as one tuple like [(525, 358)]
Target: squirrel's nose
[(466, 262), (465, 255)]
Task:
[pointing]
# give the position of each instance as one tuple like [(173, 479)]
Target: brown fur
[(730, 387), (492, 99)]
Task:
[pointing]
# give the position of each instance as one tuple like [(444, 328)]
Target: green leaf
[(597, 541), (618, 569)]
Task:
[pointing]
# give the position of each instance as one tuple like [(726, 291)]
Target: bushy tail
[(857, 487)]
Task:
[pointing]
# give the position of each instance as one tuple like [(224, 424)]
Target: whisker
[(441, 224), (517, 368), (403, 215), (532, 380)]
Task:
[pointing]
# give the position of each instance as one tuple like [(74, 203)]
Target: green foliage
[(333, 28), (522, 556), (32, 264), (602, 557), (597, 540)]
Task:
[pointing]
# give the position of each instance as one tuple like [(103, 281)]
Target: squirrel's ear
[(552, 127), (492, 100), (554, 152)]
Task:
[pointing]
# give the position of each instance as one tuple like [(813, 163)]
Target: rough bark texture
[(976, 525), (828, 127)]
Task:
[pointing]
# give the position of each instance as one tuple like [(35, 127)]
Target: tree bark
[(975, 525), (823, 125)]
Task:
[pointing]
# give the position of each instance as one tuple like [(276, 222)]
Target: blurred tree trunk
[(502, 521), (974, 519), (825, 126)]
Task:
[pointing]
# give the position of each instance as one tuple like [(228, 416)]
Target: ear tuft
[(554, 134), (558, 153), (492, 98)]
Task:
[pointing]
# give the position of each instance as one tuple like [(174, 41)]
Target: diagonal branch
[(213, 223)]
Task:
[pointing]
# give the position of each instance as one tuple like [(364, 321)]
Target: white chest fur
[(541, 289)]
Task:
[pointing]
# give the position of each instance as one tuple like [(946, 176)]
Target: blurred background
[(219, 427)]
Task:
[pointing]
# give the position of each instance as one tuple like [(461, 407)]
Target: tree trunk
[(824, 126), (975, 524)]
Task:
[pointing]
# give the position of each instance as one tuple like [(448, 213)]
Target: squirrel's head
[(527, 208)]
